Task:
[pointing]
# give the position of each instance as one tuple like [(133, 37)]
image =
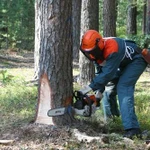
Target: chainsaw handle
[(78, 95)]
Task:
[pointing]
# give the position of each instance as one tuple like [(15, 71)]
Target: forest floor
[(11, 58), (81, 135)]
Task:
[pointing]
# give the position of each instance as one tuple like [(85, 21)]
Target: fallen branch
[(83, 137), (5, 142), (15, 59)]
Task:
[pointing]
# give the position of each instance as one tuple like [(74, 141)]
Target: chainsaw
[(82, 106)]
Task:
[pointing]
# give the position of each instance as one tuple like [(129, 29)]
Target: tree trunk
[(89, 20), (54, 57), (144, 18), (131, 17), (76, 16), (109, 17), (147, 41), (148, 18), (37, 39)]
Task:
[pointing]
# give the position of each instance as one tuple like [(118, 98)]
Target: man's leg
[(106, 106), (109, 101), (125, 91)]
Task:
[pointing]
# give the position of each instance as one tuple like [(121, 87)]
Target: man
[(120, 60)]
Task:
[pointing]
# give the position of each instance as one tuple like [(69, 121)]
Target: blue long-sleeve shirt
[(121, 57)]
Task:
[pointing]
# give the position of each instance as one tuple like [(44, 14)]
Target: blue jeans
[(125, 91), (109, 101)]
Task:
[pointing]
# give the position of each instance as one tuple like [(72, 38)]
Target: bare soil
[(80, 136)]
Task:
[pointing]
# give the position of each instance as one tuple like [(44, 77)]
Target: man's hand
[(85, 90), (98, 95)]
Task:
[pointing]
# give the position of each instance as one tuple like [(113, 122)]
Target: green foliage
[(17, 29), (122, 14), (142, 40), (121, 32), (5, 76)]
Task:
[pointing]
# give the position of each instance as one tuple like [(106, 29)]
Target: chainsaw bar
[(82, 106), (56, 112), (70, 110)]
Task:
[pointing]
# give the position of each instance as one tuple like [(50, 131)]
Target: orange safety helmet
[(92, 45)]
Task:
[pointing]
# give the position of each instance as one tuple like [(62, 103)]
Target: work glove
[(85, 90), (98, 95)]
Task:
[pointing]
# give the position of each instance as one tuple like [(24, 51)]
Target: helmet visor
[(94, 54)]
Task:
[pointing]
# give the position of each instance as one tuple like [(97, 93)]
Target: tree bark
[(144, 17), (131, 17), (53, 45), (37, 39), (76, 16), (89, 20), (109, 17), (148, 18)]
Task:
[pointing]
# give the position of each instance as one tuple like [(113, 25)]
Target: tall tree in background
[(146, 22), (76, 16), (148, 17), (17, 29), (53, 51), (89, 20), (146, 28), (36, 43), (109, 17), (131, 17), (144, 17)]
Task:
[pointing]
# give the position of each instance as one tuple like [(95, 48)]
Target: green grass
[(142, 106), (17, 100)]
